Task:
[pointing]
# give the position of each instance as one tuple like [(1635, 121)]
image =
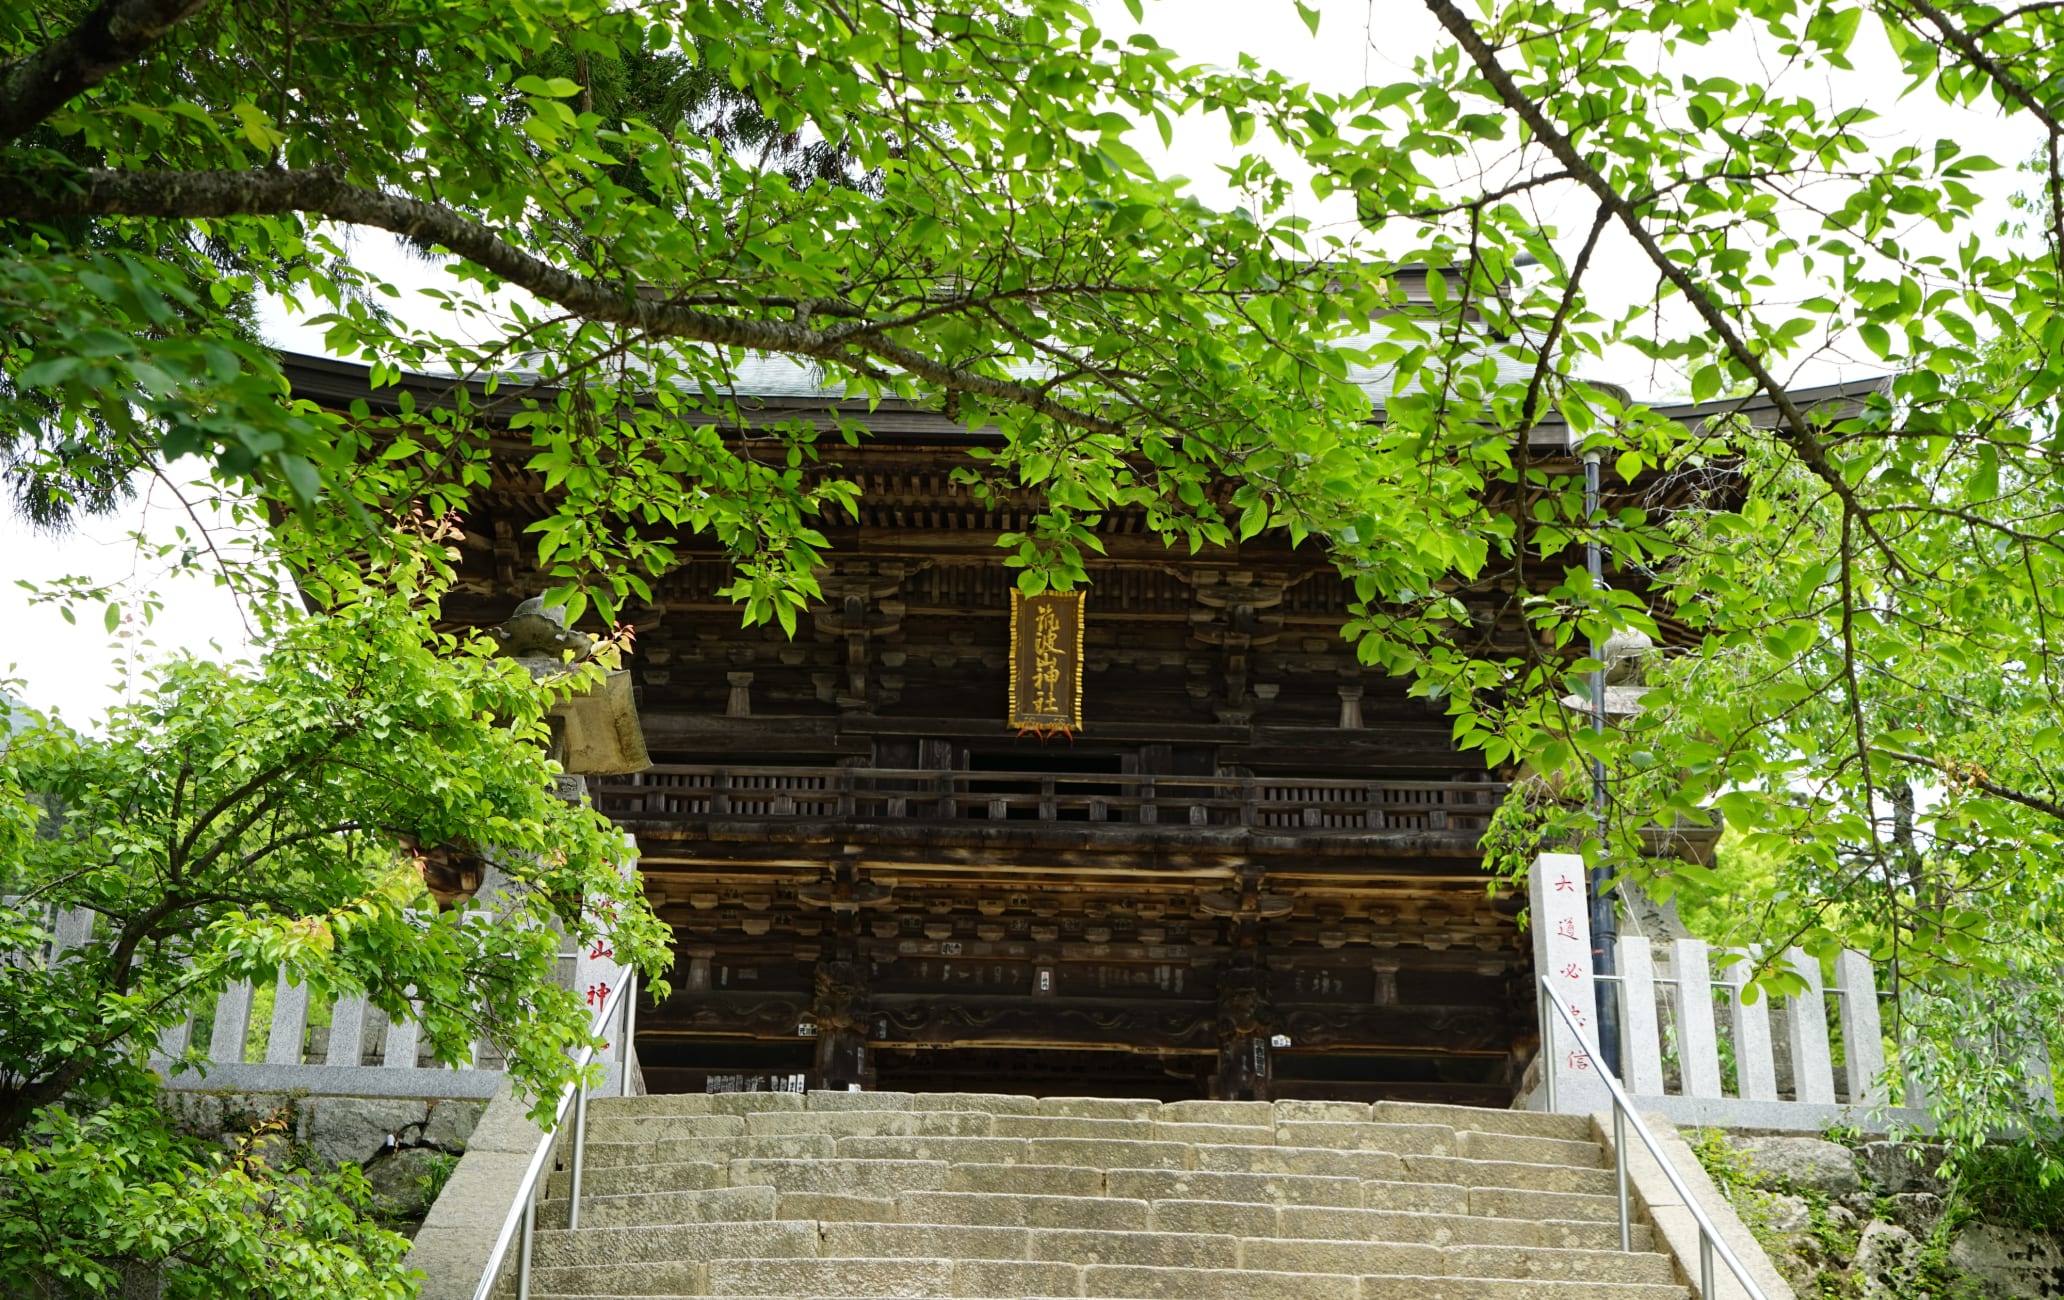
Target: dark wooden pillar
[(840, 1010), (839, 1001), (1243, 1023)]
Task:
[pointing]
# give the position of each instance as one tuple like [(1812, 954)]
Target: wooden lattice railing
[(694, 791)]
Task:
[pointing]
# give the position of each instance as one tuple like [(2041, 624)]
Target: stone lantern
[(595, 733)]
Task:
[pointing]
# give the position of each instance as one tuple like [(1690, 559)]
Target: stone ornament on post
[(1562, 952), (595, 733)]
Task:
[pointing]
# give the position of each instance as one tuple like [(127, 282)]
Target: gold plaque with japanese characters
[(1046, 662)]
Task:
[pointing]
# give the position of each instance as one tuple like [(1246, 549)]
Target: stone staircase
[(897, 1194)]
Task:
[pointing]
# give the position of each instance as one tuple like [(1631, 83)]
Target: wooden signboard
[(1046, 662)]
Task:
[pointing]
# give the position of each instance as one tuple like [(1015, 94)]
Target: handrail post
[(630, 1032), (519, 1225), (580, 1142), (523, 1247), (1625, 1118), (1619, 1137)]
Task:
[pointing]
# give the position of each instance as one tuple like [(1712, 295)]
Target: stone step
[(659, 1209), (1003, 1210), (1028, 1180), (872, 1178), (1363, 1135), (1230, 1113), (602, 1152), (1265, 1189), (1506, 1173), (848, 1195), (1440, 1140), (658, 1246), (1297, 1221), (610, 1246), (1089, 1153), (1516, 1123), (1013, 1210), (1556, 1265), (630, 1180), (1063, 1245), (949, 1277), (1456, 1288), (1515, 1203)]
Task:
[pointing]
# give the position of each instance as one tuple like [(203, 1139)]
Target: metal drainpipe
[(1604, 923)]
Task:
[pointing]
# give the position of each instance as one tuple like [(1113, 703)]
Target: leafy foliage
[(243, 822), (90, 1200), (1865, 587)]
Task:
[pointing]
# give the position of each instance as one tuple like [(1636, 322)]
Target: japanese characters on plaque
[(1562, 952), (1046, 662)]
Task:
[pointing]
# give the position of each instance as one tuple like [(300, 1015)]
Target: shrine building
[(1162, 837)]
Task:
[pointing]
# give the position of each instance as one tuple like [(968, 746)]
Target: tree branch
[(1971, 775), (1795, 430), (323, 192), (115, 33)]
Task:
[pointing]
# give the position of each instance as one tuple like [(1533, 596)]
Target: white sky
[(76, 668)]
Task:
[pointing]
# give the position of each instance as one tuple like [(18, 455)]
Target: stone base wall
[(407, 1148), (1875, 1221)]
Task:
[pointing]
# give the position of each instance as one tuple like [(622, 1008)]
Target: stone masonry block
[(1322, 1256), (1233, 1218), (1501, 1173), (770, 1239), (1417, 1198), (954, 1150), (790, 1146), (829, 1208), (1097, 1153), (826, 1277), (1519, 1123), (1023, 1211), (994, 1105), (1216, 1134), (1343, 1112), (878, 1178), (661, 1209), (451, 1123), (1300, 1160), (753, 1103), (627, 1180), (1265, 1189), (678, 1277), (838, 1123), (824, 1099), (1214, 1284), (1098, 1108), (922, 1241), (985, 1277), (1528, 1150), (352, 1130), (1026, 1180), (1557, 1265), (1070, 1126), (1159, 1249), (1513, 1203), (1261, 1113), (1399, 1139)]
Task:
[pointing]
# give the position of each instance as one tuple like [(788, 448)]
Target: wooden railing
[(694, 791)]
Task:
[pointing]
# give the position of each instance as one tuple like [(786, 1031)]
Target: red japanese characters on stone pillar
[(1562, 952)]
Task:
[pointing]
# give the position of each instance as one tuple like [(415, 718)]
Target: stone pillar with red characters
[(1562, 952)]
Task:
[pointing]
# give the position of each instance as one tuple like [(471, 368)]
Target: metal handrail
[(521, 1221), (1623, 1113)]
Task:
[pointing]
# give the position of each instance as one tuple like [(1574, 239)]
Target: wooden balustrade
[(686, 791)]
